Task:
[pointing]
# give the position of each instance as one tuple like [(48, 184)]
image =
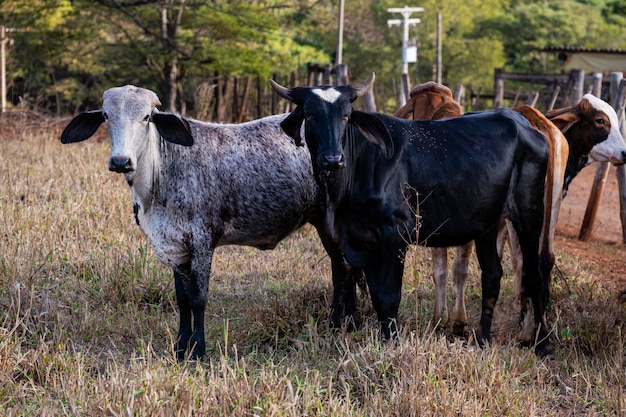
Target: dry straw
[(88, 315)]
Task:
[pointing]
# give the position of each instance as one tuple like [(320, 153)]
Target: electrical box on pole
[(409, 53)]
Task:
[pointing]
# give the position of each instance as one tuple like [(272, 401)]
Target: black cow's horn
[(365, 87), (280, 90)]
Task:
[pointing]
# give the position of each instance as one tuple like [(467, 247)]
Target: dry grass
[(88, 317)]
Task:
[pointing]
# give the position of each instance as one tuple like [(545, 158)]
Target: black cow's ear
[(292, 124), (374, 130), (173, 128), (82, 127)]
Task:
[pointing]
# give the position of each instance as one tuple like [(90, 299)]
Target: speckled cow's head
[(128, 112)]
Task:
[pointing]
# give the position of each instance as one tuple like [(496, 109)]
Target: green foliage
[(34, 13), (54, 53), (67, 52), (528, 27)]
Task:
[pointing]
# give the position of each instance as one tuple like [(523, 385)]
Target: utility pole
[(4, 42), (409, 50), (340, 34), (3, 72), (439, 66)]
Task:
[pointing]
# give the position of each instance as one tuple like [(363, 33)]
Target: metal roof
[(573, 50)]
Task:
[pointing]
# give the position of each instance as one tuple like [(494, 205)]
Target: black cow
[(390, 182)]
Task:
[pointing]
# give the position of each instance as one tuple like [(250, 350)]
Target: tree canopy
[(64, 53)]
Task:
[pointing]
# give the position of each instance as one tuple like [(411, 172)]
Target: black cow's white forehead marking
[(330, 95)]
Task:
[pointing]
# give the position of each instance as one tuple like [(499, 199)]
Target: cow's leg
[(527, 324), (546, 263), (528, 223), (192, 291), (384, 278), (440, 276), (460, 275), (345, 278), (532, 293), (502, 236), (184, 311), (487, 254), (517, 260)]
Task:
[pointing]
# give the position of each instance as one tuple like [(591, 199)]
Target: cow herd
[(371, 185)]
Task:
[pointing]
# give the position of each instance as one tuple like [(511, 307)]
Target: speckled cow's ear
[(82, 127), (173, 128)]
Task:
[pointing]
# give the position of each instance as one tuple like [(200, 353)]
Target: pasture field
[(88, 318)]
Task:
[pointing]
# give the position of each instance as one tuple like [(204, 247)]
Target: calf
[(196, 186), (390, 181)]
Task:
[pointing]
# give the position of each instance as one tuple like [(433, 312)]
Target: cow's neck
[(337, 183), (144, 180), (577, 159)]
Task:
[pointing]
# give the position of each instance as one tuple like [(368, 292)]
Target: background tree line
[(65, 53)]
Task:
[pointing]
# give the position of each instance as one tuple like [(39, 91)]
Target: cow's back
[(456, 174), (246, 183)]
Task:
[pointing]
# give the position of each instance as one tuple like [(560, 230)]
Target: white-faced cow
[(196, 186), (589, 126), (390, 181)]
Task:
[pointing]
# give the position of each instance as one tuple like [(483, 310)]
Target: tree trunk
[(171, 78), (169, 29), (245, 99)]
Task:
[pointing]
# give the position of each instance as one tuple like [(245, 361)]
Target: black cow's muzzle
[(332, 162), (121, 165)]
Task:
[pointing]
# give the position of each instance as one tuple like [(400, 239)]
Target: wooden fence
[(237, 99)]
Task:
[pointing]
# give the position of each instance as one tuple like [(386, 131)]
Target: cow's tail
[(558, 151)]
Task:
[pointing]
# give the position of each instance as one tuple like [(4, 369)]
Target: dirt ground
[(605, 248)]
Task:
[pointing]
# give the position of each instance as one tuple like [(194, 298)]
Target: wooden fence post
[(459, 93), (578, 86), (621, 186), (259, 95), (328, 75), (602, 172), (555, 95), (274, 97), (532, 99), (621, 170), (498, 89), (474, 98), (370, 102), (342, 74)]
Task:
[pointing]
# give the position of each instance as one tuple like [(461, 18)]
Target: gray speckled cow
[(197, 185)]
